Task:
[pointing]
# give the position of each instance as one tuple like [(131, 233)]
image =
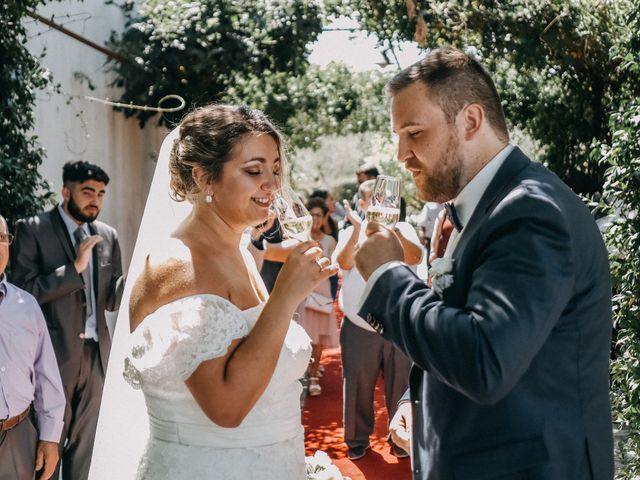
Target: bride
[(217, 358)]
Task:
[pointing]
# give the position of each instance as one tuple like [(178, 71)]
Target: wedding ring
[(319, 264)]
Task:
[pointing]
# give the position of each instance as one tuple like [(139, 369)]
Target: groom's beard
[(443, 183)]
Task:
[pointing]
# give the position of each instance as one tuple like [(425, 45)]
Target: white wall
[(77, 129)]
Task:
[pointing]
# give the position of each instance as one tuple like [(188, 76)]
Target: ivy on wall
[(622, 190), (23, 191)]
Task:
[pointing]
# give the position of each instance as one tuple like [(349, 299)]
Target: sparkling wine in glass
[(295, 220), (384, 207)]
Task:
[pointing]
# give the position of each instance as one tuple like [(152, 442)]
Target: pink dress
[(321, 327)]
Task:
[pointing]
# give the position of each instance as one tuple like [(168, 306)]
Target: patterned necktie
[(448, 221), (452, 214), (441, 238), (80, 235), (3, 292), (446, 228)]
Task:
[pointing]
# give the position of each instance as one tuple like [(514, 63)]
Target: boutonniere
[(441, 276)]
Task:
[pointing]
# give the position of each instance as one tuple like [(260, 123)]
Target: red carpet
[(322, 420)]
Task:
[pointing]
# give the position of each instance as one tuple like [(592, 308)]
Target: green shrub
[(622, 191), (22, 190)]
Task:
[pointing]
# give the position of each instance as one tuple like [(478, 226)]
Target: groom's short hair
[(455, 79)]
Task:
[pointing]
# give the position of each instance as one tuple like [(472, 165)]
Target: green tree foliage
[(319, 102), (199, 49), (550, 61), (22, 190), (622, 189), (252, 52)]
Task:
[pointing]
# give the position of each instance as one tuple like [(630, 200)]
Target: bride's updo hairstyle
[(207, 138)]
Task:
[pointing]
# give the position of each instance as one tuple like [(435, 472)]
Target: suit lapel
[(498, 187), (62, 233)]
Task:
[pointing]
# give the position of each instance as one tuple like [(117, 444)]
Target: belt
[(212, 436), (9, 423)]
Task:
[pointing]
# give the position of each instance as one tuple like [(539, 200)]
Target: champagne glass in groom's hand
[(384, 207)]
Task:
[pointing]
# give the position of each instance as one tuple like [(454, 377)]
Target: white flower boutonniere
[(441, 276)]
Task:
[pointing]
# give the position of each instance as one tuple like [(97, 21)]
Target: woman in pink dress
[(317, 315)]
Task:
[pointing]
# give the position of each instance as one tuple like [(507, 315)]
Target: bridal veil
[(123, 422)]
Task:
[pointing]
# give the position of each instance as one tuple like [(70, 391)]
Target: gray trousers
[(18, 451), (364, 355), (81, 415)]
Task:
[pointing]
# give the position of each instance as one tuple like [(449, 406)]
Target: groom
[(511, 346)]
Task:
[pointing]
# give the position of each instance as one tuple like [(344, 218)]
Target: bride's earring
[(208, 197)]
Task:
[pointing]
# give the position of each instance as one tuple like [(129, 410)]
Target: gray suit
[(42, 264), (511, 366)]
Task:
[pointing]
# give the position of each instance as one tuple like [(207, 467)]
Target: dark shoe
[(398, 452), (356, 453)]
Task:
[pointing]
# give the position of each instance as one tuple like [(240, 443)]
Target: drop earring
[(208, 198)]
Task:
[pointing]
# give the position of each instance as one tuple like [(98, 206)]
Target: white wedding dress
[(183, 443)]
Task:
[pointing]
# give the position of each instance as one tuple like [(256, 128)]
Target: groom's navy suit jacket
[(511, 366)]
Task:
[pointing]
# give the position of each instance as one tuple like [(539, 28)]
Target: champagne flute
[(295, 220), (384, 207)]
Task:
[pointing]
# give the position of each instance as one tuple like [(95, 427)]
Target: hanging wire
[(144, 108), (83, 123)]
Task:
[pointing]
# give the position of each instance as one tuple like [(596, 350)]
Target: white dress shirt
[(465, 203)]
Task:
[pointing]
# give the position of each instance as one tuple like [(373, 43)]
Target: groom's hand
[(381, 246), (400, 427)]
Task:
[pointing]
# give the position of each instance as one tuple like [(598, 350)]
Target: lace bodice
[(168, 346), (171, 342)]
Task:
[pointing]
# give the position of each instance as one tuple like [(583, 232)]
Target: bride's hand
[(304, 269)]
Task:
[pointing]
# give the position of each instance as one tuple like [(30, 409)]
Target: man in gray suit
[(71, 264), (511, 345)]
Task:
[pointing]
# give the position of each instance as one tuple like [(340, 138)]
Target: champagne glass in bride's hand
[(384, 207), (295, 220)]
